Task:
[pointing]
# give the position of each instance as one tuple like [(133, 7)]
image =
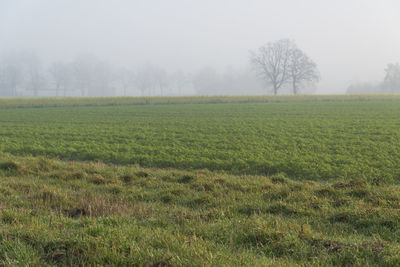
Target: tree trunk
[(294, 87)]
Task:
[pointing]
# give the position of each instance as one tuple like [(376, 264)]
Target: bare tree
[(125, 79), (301, 69), (207, 82), (83, 68), (365, 88), (102, 80), (239, 81), (35, 77), (272, 62), (11, 74), (61, 75), (180, 80), (160, 78), (144, 80), (392, 78)]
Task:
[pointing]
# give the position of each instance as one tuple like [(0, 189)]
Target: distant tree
[(102, 78), (83, 72), (365, 88), (151, 78), (392, 78), (230, 79), (11, 74), (272, 63), (207, 82), (301, 69), (239, 81), (160, 78), (179, 80), (125, 78), (144, 80), (60, 73), (34, 77), (281, 62)]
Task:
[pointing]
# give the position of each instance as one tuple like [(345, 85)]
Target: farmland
[(313, 140), (237, 181)]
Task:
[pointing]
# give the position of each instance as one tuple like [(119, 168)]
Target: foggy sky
[(349, 40)]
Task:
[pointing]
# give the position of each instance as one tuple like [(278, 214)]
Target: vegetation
[(220, 181), (390, 84), (305, 138), (282, 62), (70, 213), (23, 74)]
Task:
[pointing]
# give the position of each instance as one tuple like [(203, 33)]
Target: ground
[(316, 182)]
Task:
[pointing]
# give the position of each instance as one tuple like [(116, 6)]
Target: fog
[(350, 41)]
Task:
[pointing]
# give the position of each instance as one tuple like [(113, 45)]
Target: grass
[(129, 101), (74, 213), (200, 181), (314, 138)]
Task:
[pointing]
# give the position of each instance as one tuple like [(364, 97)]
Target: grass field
[(305, 138), (223, 181)]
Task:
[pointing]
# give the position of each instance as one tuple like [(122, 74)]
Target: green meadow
[(200, 181)]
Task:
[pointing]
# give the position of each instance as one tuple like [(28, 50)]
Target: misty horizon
[(350, 42)]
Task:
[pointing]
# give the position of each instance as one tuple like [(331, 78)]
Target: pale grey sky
[(350, 40)]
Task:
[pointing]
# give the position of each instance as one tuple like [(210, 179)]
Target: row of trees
[(389, 84), (280, 65), (24, 74)]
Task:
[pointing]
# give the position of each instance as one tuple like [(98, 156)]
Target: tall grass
[(71, 213)]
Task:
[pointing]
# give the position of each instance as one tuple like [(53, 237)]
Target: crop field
[(200, 181), (305, 139)]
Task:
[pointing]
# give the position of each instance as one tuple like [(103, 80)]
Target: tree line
[(274, 68), (24, 74), (389, 85)]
